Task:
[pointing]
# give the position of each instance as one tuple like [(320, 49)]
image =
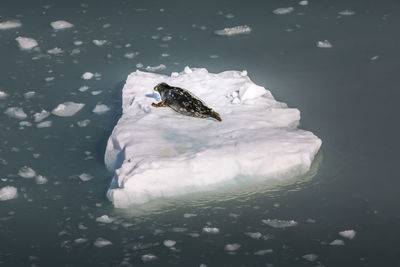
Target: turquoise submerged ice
[(156, 152)]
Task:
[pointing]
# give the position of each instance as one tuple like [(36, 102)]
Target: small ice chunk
[(349, 234), (83, 123), (26, 43), (256, 235), (324, 44), (85, 177), (40, 179), (232, 247), (25, 123), (61, 24), (26, 172), (16, 113), (337, 242), (99, 42), (346, 12), (67, 109), (210, 230), (131, 55), (49, 79), (303, 2), (3, 95), (372, 58), (263, 252), (101, 242), (148, 257), (8, 192), (80, 241), (189, 215), (10, 24), (310, 257), (283, 10), (169, 243), (44, 124), (156, 68), (83, 88), (100, 109), (30, 94), (39, 116), (87, 76), (104, 219), (96, 92), (244, 29), (55, 51), (275, 223), (78, 42)]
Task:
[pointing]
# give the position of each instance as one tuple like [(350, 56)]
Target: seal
[(184, 102)]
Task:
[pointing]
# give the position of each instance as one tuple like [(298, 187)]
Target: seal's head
[(159, 87)]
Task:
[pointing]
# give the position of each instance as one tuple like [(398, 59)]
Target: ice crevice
[(156, 152)]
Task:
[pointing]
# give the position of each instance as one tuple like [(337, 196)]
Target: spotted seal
[(184, 102)]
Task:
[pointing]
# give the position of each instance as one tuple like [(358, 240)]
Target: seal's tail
[(215, 115)]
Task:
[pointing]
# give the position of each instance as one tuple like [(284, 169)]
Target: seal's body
[(184, 102)]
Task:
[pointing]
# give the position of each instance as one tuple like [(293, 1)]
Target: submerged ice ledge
[(157, 153)]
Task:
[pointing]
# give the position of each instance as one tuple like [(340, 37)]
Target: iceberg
[(156, 152)]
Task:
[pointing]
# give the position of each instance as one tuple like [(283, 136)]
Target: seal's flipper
[(160, 104), (215, 115)]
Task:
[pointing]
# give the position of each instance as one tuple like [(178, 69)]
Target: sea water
[(64, 65)]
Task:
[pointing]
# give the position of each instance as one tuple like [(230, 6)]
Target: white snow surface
[(61, 24), (234, 31), (10, 24), (26, 43), (8, 192), (67, 109), (156, 152)]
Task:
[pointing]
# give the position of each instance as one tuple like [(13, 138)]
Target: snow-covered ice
[(100, 109), (99, 42), (148, 257), (263, 252), (8, 192), (234, 31), (10, 24), (87, 76), (337, 242), (283, 10), (67, 109), (346, 12), (44, 124), (310, 257), (169, 243), (157, 153), (3, 95), (104, 219), (156, 68), (324, 44), (349, 234), (55, 51), (279, 223), (26, 43), (40, 179), (39, 116), (29, 95), (85, 177), (210, 230), (16, 113), (232, 247), (26, 172), (101, 242), (303, 3), (256, 235), (61, 24)]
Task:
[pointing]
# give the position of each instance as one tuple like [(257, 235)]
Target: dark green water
[(346, 99)]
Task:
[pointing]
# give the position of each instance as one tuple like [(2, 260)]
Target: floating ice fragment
[(61, 24), (210, 230), (279, 223), (349, 234), (324, 44), (40, 179), (372, 58), (8, 192), (148, 257), (85, 177), (26, 172), (49, 79), (16, 113), (26, 43), (337, 242), (99, 42), (30, 94), (100, 109), (263, 252), (80, 240), (104, 219), (303, 2), (96, 92), (156, 68), (283, 10), (10, 24), (189, 215), (232, 247), (256, 235), (131, 55), (44, 124), (310, 257), (83, 123), (87, 76), (3, 95), (101, 242), (55, 51), (346, 12), (67, 109), (169, 243), (25, 123), (39, 116), (234, 31)]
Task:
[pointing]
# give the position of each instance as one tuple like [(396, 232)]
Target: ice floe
[(279, 223), (232, 247), (87, 76), (40, 179), (263, 252), (349, 234), (310, 257), (55, 51), (346, 12), (10, 24), (169, 243), (303, 3), (44, 124), (67, 109), (61, 24), (157, 153), (3, 95), (104, 219), (8, 192), (337, 242), (39, 116), (99, 42), (85, 177), (210, 230), (26, 43), (156, 68), (101, 242), (148, 257), (26, 172), (100, 109), (16, 113), (283, 10), (324, 44), (244, 29)]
